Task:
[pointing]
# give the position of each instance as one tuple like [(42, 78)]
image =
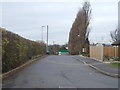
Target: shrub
[(17, 50)]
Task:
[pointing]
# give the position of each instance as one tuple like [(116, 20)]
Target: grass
[(115, 64)]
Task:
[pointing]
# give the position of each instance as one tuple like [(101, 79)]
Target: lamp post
[(47, 41), (47, 50), (42, 33), (119, 28)]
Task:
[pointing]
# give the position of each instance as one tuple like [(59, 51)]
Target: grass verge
[(115, 64)]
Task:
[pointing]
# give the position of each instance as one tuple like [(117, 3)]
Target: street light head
[(78, 35), (43, 26)]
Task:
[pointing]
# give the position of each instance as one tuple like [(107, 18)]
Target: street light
[(78, 33), (47, 50), (47, 42), (42, 33)]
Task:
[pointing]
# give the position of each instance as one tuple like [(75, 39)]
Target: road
[(59, 72)]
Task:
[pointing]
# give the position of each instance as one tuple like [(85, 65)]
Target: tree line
[(17, 50)]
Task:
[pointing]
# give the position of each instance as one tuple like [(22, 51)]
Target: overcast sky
[(26, 19)]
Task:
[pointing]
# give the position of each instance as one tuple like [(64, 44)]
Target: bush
[(116, 58), (17, 50), (107, 58), (85, 54)]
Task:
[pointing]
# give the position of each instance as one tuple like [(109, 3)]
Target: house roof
[(116, 42)]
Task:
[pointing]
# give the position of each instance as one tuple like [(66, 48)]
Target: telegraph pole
[(42, 33), (47, 41), (119, 29)]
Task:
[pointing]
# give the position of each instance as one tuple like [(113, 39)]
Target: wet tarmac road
[(59, 72)]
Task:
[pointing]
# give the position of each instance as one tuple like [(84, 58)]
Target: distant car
[(59, 53)]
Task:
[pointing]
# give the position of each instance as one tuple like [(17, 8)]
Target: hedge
[(17, 50)]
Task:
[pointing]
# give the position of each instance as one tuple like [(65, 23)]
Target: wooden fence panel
[(96, 52), (111, 51), (100, 51)]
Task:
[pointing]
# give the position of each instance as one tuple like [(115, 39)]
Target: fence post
[(102, 53)]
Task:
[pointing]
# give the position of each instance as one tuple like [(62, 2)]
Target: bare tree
[(78, 37), (114, 35), (87, 11)]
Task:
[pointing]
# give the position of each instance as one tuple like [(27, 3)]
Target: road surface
[(59, 72)]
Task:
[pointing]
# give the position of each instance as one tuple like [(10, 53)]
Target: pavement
[(59, 72), (100, 66)]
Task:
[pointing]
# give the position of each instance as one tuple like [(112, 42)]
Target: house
[(116, 43)]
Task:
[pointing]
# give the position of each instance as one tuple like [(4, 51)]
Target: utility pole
[(53, 47), (47, 41), (53, 42), (42, 33), (119, 28)]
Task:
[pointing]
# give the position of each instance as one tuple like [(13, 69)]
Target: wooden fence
[(111, 51), (96, 52), (99, 51)]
